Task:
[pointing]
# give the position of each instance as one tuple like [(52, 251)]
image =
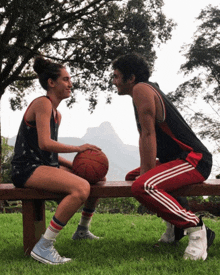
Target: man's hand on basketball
[(87, 146)]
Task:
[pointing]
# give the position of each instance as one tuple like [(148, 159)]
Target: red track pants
[(152, 190)]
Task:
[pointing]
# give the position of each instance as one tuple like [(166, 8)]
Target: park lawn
[(126, 247)]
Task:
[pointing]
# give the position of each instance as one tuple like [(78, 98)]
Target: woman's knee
[(83, 190)]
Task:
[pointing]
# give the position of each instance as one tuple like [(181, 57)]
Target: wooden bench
[(33, 202)]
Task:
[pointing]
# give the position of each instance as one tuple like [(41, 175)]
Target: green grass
[(127, 247)]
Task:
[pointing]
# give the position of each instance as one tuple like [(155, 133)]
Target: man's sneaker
[(168, 236), (172, 234), (83, 233), (198, 245), (210, 237), (45, 252)]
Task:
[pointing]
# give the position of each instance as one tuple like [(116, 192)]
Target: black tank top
[(26, 149), (175, 139)]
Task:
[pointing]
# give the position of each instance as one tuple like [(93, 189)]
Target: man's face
[(124, 87)]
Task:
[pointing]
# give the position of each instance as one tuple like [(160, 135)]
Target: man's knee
[(137, 188)]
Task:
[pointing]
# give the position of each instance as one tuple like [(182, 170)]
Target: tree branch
[(65, 18)]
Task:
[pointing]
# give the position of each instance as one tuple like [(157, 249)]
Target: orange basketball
[(90, 165)]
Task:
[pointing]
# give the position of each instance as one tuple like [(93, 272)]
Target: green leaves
[(84, 35), (199, 96), (6, 156)]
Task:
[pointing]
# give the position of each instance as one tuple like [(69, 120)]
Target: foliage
[(85, 35), (199, 96), (214, 199), (6, 156), (108, 205), (199, 199), (117, 205)]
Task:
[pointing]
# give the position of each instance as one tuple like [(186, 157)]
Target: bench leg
[(33, 212)]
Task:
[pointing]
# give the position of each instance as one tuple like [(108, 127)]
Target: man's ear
[(132, 78)]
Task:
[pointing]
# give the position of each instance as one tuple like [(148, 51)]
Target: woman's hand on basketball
[(87, 146)]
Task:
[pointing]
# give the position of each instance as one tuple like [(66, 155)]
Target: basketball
[(90, 165)]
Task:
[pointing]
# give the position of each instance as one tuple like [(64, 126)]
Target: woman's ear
[(50, 82)]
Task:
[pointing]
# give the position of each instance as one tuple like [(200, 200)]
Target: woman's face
[(62, 86)]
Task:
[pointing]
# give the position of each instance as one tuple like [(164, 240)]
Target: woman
[(36, 163)]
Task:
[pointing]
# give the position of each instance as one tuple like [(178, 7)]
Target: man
[(164, 135)]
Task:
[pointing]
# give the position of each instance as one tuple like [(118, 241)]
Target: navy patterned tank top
[(27, 151)]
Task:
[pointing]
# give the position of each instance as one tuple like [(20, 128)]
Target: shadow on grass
[(117, 250), (11, 252)]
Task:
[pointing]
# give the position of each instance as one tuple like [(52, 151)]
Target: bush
[(117, 205), (108, 205)]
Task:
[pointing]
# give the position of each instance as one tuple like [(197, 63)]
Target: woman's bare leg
[(88, 210), (61, 181), (77, 191)]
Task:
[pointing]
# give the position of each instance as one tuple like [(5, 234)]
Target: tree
[(6, 157), (199, 96), (85, 35), (203, 62)]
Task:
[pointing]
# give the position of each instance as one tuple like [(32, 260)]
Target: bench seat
[(107, 189)]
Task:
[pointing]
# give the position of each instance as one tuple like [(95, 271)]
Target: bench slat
[(101, 189), (107, 189), (210, 187)]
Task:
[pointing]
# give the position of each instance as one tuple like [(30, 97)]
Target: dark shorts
[(21, 174)]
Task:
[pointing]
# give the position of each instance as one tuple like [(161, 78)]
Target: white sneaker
[(197, 247), (169, 235), (45, 252)]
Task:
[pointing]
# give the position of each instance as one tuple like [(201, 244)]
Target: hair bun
[(41, 64)]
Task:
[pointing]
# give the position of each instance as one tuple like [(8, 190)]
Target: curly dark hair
[(45, 70), (132, 64)]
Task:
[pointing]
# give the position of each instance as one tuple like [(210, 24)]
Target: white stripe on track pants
[(152, 190)]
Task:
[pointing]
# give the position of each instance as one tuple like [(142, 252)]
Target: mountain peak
[(104, 131)]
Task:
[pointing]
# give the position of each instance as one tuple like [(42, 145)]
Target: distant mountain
[(11, 141), (122, 158)]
